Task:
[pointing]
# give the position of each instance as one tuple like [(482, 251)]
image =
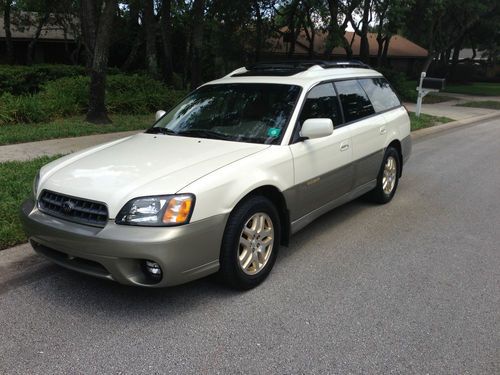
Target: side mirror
[(316, 128), (159, 114)]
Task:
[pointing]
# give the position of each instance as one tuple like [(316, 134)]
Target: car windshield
[(242, 112)]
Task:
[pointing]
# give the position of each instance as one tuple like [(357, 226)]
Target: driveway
[(409, 287)]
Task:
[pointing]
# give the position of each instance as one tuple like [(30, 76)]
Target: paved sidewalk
[(451, 110), (31, 150)]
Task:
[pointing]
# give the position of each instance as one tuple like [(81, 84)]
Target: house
[(402, 55), (54, 45)]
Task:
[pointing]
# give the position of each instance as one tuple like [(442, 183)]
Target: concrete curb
[(417, 134)]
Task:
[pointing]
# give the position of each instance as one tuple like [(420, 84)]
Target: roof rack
[(291, 67)]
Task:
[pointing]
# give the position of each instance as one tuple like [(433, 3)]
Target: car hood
[(141, 165)]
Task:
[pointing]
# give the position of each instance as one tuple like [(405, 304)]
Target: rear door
[(367, 129), (322, 166)]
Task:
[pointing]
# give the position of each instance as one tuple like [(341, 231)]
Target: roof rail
[(291, 67), (306, 64)]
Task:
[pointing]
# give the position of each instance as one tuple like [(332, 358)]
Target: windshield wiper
[(160, 130), (203, 133)]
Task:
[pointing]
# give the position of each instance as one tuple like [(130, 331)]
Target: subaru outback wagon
[(218, 183)]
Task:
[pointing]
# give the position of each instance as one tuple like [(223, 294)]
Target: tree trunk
[(197, 42), (166, 36), (8, 34), (428, 61), (150, 26), (385, 51), (258, 30), (132, 56), (88, 17), (333, 27), (364, 47), (380, 42), (347, 48), (31, 46), (456, 55), (97, 112), (136, 31)]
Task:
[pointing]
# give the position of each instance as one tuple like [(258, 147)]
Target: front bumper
[(117, 252)]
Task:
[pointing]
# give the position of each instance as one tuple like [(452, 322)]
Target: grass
[(476, 88), (70, 127), (426, 121), (431, 98), (16, 180), (489, 104)]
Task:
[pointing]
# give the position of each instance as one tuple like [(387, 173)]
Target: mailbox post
[(425, 86)]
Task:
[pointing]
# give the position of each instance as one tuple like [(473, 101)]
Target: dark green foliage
[(21, 79), (126, 94), (17, 79)]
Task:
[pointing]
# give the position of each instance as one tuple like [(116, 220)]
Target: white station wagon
[(224, 178)]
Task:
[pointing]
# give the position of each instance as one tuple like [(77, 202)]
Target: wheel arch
[(396, 143), (278, 199)]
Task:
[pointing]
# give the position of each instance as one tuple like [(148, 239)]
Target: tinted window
[(380, 93), (355, 103), (322, 102), (244, 112)]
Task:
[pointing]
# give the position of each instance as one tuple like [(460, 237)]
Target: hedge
[(126, 94)]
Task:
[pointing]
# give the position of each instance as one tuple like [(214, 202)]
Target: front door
[(322, 166)]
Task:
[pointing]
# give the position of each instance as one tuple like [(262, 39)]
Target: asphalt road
[(409, 287)]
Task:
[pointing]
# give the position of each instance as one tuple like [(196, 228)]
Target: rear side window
[(355, 102), (322, 102), (380, 93)]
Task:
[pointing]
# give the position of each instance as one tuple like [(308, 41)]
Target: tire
[(388, 177), (248, 255)]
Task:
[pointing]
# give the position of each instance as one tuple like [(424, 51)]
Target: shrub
[(18, 80), (127, 94)]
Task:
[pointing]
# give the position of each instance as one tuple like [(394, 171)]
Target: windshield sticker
[(273, 132)]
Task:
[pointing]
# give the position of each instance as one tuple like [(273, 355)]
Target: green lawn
[(70, 127), (476, 88), (489, 104), (426, 121), (16, 181)]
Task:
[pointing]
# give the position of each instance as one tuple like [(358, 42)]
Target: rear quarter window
[(380, 93)]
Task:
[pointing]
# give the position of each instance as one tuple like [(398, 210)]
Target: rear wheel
[(388, 177), (250, 243)]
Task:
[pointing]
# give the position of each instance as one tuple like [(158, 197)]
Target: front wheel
[(388, 177), (250, 243)]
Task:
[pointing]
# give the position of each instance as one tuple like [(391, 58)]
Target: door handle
[(344, 146), (383, 130)]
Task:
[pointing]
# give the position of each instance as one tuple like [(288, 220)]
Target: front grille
[(79, 210)]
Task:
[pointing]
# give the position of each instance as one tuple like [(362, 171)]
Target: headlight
[(35, 184), (163, 210)]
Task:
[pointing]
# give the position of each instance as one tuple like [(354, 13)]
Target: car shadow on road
[(76, 292)]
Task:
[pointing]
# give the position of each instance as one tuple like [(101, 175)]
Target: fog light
[(153, 269)]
